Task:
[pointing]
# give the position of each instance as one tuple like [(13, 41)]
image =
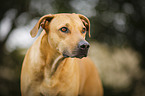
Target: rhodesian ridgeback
[(57, 63)]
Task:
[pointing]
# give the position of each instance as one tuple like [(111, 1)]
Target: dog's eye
[(83, 30), (64, 29)]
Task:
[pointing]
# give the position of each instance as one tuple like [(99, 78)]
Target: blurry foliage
[(118, 68), (118, 23)]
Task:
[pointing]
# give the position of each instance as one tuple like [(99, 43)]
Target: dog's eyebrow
[(63, 25), (67, 24)]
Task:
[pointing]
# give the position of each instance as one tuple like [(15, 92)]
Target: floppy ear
[(86, 22), (43, 21)]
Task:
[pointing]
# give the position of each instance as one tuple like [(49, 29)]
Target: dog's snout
[(83, 45)]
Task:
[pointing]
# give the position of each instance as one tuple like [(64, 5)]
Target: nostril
[(84, 46), (88, 46)]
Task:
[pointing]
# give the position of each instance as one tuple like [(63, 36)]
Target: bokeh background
[(117, 40)]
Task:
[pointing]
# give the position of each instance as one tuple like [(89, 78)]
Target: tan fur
[(45, 72)]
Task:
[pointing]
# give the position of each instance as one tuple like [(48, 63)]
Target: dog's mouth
[(76, 54), (80, 51)]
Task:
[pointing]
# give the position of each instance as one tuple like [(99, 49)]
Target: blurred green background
[(117, 40)]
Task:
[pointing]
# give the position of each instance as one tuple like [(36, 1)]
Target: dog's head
[(66, 33)]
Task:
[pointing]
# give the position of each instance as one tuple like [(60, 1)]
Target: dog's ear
[(43, 22), (86, 22)]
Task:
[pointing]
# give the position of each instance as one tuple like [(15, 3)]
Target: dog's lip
[(65, 55)]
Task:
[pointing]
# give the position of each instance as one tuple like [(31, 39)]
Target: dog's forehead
[(66, 15), (66, 18)]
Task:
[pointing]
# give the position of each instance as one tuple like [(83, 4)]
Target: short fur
[(46, 72)]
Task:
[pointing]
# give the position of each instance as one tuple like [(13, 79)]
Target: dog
[(57, 63)]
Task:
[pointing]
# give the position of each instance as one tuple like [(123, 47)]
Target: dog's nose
[(83, 45)]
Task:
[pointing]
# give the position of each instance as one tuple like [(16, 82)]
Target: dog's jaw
[(76, 54)]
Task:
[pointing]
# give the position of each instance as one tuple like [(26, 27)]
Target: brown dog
[(54, 65)]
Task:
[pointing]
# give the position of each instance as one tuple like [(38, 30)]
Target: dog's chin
[(80, 56)]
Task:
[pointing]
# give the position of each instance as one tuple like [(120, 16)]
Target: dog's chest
[(63, 86)]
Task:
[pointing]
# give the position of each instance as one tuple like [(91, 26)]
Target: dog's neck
[(50, 55), (56, 63)]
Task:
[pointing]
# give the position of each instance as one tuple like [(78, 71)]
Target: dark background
[(114, 23)]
